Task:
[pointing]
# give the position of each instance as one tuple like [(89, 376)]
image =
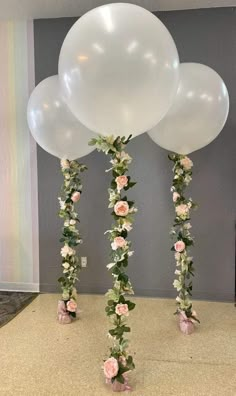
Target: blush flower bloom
[(121, 182), (110, 368), (122, 309), (179, 246), (182, 210), (121, 208), (186, 163), (71, 306), (75, 196), (175, 196), (119, 242)]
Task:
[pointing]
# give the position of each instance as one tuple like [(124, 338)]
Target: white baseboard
[(21, 287)]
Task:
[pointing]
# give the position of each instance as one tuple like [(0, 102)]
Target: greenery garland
[(118, 306), (71, 238), (181, 233)]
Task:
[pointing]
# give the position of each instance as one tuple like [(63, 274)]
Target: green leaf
[(113, 185), (123, 277), (115, 270), (123, 370), (127, 140), (61, 279), (124, 234), (131, 305), (92, 142), (130, 203), (122, 299), (114, 174), (120, 378)]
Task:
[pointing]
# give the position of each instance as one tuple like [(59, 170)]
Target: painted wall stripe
[(19, 263)]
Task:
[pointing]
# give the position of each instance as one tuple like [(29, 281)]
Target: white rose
[(177, 284), (177, 256), (127, 226), (62, 203), (187, 226), (67, 250), (66, 265), (72, 222), (65, 164), (178, 299)]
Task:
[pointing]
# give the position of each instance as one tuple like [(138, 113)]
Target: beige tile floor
[(40, 357)]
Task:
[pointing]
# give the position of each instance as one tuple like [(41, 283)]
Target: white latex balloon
[(198, 113), (119, 69), (52, 124)]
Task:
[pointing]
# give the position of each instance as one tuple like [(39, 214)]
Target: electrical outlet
[(84, 262)]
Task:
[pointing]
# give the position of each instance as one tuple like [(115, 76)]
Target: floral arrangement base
[(63, 315), (116, 386), (186, 325)]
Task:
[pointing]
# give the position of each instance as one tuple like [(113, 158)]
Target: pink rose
[(119, 242), (186, 163), (175, 196), (71, 306), (122, 309), (121, 208), (110, 367), (182, 210), (179, 246), (121, 182), (65, 164), (75, 196)]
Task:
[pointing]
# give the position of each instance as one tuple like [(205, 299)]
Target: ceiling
[(32, 9)]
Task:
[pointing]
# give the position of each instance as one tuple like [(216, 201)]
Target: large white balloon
[(52, 124), (198, 113), (119, 69)]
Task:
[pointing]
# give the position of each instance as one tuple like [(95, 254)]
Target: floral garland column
[(181, 233), (118, 306), (72, 187)]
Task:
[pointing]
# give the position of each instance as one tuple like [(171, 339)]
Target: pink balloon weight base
[(118, 387), (186, 326), (63, 316)]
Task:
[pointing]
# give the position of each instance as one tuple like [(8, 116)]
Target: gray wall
[(204, 36)]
